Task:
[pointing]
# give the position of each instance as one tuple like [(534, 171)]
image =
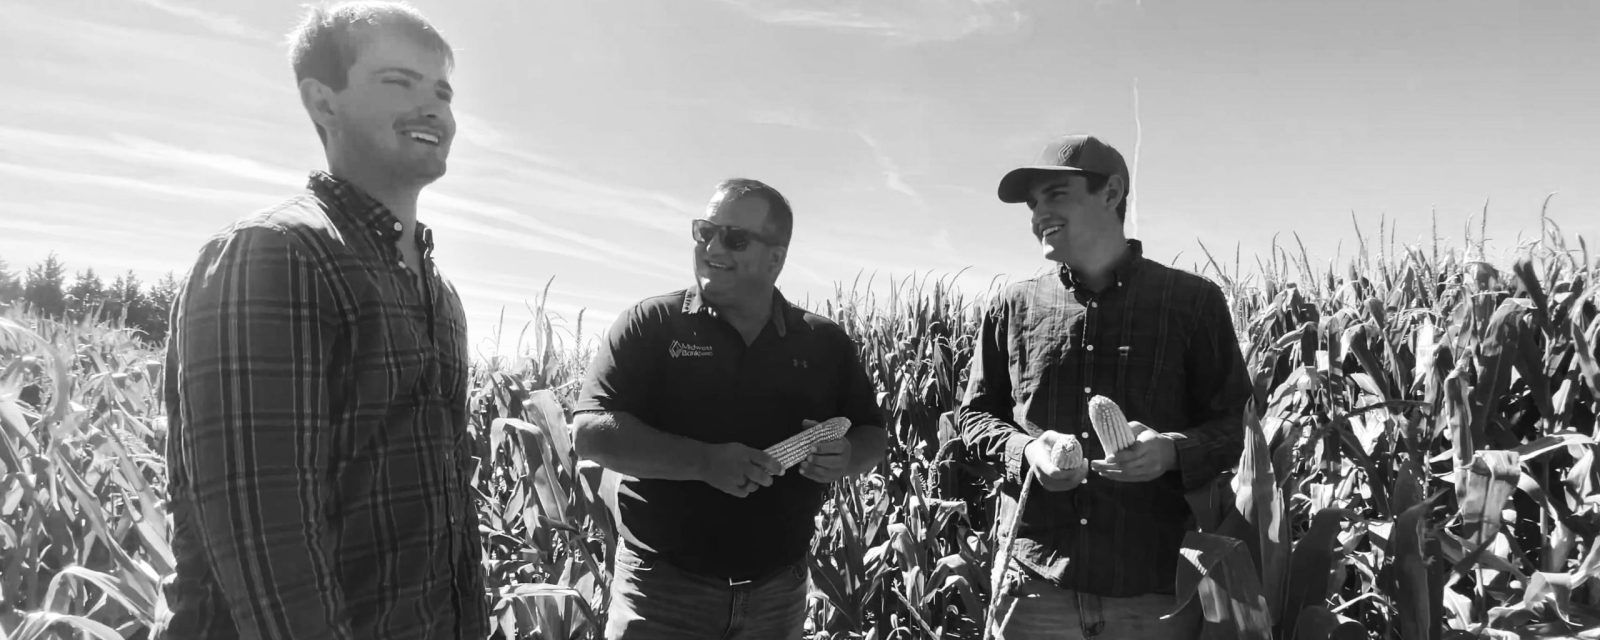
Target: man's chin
[(427, 173), (1053, 254)]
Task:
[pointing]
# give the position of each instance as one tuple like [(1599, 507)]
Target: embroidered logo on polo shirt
[(681, 350)]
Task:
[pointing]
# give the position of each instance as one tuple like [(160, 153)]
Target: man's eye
[(399, 81), (446, 96)]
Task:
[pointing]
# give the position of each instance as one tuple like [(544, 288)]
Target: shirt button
[(1086, 390), (1084, 435), (1083, 521), (399, 227), (1089, 348), (1093, 305)]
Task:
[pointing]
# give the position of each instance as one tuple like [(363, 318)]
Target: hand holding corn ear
[(822, 446), (1057, 460), (1134, 452)]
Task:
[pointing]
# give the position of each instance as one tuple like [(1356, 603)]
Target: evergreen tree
[(42, 288), (86, 297), (10, 284), (160, 307), (125, 300)]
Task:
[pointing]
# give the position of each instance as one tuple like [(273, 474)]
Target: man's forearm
[(1208, 449), (994, 441), (985, 415), (625, 444)]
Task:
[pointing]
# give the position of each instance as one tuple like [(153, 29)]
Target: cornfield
[(1419, 464)]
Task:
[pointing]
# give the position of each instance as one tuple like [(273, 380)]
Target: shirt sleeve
[(986, 417), (1218, 387), (258, 329), (859, 400), (618, 378)]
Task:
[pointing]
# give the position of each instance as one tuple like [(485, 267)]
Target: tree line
[(46, 289)]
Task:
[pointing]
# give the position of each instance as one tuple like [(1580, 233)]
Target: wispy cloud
[(140, 152), (520, 228), (68, 178), (906, 21), (893, 177), (216, 22), (784, 116), (523, 232)]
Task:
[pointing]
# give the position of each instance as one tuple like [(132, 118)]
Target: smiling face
[(1068, 218), (727, 276), (392, 122)]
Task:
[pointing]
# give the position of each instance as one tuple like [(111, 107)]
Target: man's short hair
[(780, 218), (1095, 183), (329, 38)]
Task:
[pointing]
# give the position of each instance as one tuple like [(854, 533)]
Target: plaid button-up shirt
[(318, 448), (1160, 343)]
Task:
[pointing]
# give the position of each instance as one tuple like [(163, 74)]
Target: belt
[(733, 581)]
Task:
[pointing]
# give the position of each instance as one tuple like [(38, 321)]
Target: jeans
[(1036, 609), (653, 600)]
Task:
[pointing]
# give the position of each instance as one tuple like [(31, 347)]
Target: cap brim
[(1017, 184)]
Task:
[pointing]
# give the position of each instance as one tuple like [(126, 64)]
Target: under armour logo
[(799, 363)]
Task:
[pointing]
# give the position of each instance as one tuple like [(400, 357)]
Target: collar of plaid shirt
[(1121, 272), (345, 197)]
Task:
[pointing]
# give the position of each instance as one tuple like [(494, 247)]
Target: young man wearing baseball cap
[(1096, 551)]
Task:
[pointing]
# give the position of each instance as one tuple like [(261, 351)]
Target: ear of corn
[(1110, 424), (790, 452), (1067, 453)]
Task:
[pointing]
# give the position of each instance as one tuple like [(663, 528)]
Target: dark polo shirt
[(674, 364)]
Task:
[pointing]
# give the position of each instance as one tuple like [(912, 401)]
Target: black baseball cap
[(1076, 153)]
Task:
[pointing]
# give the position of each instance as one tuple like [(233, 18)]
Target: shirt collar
[(1121, 272), (694, 302), (350, 200)]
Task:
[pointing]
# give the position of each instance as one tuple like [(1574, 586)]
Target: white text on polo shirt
[(681, 350)]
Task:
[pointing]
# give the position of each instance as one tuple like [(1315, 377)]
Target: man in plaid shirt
[(317, 375), (1097, 550)]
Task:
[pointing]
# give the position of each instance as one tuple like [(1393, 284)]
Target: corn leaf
[(1216, 572), (1316, 622), (1310, 565), (1259, 501)]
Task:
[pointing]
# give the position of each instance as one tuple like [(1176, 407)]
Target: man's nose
[(716, 244)]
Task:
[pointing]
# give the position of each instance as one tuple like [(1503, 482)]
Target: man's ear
[(779, 255), (1116, 189), (318, 101)]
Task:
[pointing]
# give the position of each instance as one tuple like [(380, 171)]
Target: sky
[(591, 132)]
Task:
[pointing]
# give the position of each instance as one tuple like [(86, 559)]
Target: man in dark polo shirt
[(682, 397), (1097, 550)]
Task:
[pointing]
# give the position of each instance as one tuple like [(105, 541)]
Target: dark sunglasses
[(734, 238)]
